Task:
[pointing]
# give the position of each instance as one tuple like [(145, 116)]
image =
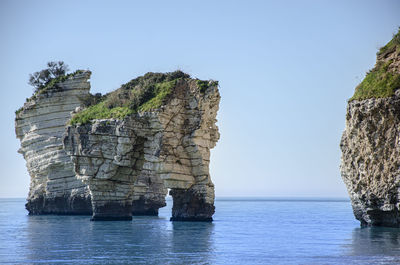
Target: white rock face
[(119, 168), (131, 162), (40, 126)]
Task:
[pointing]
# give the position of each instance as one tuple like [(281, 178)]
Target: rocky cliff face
[(370, 143), (40, 126), (124, 166), (167, 148)]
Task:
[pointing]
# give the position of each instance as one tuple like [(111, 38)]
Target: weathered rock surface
[(168, 148), (371, 160), (116, 168), (40, 126), (370, 147)]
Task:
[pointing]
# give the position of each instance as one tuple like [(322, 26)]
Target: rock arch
[(116, 168)]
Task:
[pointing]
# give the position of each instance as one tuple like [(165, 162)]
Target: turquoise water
[(278, 231)]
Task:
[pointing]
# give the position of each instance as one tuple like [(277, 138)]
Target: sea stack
[(370, 144), (116, 155)]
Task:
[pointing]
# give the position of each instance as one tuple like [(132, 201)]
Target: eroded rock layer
[(370, 146), (129, 164), (40, 126), (118, 167)]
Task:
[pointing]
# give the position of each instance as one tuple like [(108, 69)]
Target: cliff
[(40, 126), (119, 156), (370, 144)]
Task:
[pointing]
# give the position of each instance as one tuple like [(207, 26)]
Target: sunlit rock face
[(371, 160), (116, 168), (40, 126), (370, 147), (129, 164)]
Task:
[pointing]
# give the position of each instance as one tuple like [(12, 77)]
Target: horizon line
[(253, 198)]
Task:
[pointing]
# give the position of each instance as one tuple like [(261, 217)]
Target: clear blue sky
[(286, 69)]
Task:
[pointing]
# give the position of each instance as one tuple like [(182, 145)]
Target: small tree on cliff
[(54, 70)]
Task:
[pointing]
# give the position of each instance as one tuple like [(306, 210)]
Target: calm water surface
[(244, 232)]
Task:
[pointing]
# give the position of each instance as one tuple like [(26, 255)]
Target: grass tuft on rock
[(141, 94), (100, 111), (19, 110), (378, 83), (203, 85), (381, 82), (161, 91), (392, 46)]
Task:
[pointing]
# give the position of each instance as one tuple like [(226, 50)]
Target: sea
[(244, 231)]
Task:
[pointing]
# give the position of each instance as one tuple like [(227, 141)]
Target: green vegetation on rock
[(41, 78), (392, 46), (19, 110), (48, 79), (378, 83), (52, 84), (381, 82), (100, 111), (142, 94), (161, 91), (203, 85)]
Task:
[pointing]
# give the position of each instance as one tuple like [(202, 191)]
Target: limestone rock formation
[(169, 148), (123, 158), (370, 144), (40, 126)]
